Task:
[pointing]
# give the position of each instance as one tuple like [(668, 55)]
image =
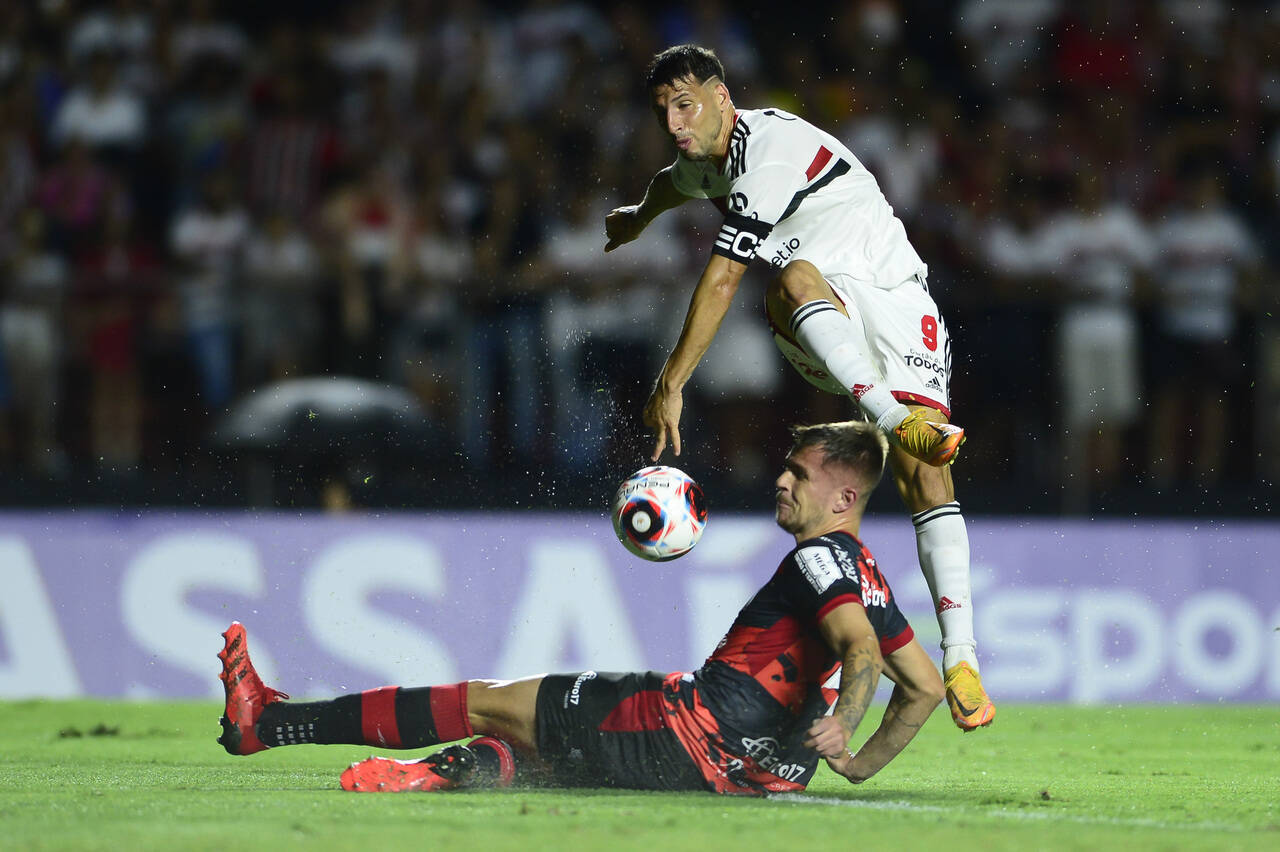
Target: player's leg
[(805, 310), (483, 762), (942, 544), (502, 710), (257, 717), (906, 333)]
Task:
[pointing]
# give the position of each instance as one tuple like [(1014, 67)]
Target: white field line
[(1001, 813)]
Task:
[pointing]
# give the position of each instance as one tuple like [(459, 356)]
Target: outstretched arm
[(917, 691), (624, 224), (849, 633), (711, 300)]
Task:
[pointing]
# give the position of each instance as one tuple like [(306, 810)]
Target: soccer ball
[(659, 513)]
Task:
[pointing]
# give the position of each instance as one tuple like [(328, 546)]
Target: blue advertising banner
[(131, 605)]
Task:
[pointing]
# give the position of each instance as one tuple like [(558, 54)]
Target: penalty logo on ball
[(659, 513)]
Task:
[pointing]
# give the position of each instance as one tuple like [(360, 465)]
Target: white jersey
[(790, 191)]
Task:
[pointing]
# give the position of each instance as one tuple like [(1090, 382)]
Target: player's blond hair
[(856, 444)]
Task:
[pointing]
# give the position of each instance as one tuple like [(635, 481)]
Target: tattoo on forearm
[(858, 677)]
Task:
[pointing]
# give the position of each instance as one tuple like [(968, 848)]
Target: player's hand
[(828, 738), (662, 415), (623, 225), (843, 765)]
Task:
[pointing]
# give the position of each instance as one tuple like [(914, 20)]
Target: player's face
[(691, 113), (805, 494)]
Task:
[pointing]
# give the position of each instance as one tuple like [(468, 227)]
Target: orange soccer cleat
[(932, 442), (447, 769), (970, 707), (247, 695)]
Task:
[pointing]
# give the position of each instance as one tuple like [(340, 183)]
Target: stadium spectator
[(426, 346), (75, 196), (116, 281), (367, 223), (208, 241), (292, 150), (1096, 252), (202, 33), (121, 28), (18, 169), (736, 725), (281, 312), (505, 360), (31, 328), (100, 111), (1207, 262), (205, 125)]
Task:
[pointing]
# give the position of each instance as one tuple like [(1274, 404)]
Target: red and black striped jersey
[(764, 680)]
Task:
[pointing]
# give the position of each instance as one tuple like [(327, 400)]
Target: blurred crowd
[(199, 199)]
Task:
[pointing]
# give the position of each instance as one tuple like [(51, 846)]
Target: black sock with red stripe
[(389, 717)]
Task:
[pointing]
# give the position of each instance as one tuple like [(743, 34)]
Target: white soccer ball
[(659, 513)]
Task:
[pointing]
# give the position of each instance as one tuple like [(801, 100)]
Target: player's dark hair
[(680, 61), (856, 444)]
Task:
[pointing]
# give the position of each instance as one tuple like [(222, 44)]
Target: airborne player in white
[(849, 306)]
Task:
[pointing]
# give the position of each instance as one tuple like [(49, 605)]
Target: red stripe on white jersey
[(819, 161)]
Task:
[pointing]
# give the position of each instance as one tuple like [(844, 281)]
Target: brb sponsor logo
[(575, 692)]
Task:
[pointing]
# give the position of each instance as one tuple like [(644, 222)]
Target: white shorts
[(904, 336)]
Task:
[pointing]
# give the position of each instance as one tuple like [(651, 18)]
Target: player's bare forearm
[(903, 718), (917, 691), (859, 675), (710, 302), (851, 636)]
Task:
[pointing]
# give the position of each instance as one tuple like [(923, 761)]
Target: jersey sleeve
[(755, 203), (815, 583), (820, 575), (687, 178)]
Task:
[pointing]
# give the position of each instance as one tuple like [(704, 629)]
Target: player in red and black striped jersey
[(753, 719), (764, 680)]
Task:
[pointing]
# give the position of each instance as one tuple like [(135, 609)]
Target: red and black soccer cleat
[(447, 769), (247, 695)]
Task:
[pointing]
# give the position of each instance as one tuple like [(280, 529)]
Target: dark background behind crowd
[(200, 199)]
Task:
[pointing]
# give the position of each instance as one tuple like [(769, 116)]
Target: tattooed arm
[(849, 633), (917, 691)]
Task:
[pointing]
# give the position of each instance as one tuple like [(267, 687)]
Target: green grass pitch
[(111, 775)]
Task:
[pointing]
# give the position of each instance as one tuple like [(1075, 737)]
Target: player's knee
[(798, 282)]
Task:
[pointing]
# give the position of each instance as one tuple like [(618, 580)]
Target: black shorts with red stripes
[(608, 729)]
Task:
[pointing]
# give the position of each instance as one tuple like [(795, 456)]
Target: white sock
[(942, 542), (828, 335)]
